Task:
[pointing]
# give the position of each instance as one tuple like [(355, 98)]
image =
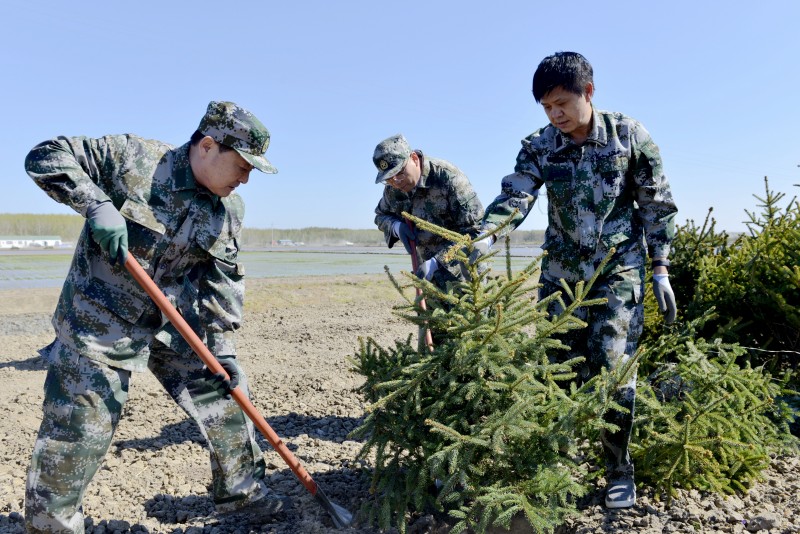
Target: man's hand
[(406, 233), (109, 229), (218, 381), (665, 297), (426, 270)]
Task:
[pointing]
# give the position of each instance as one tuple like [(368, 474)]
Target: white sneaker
[(621, 492)]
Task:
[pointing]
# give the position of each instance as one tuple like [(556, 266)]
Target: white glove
[(481, 248), (485, 244), (426, 270), (665, 297)]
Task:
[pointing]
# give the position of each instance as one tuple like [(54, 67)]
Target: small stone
[(693, 512), (763, 521), (116, 525), (734, 502), (735, 517)]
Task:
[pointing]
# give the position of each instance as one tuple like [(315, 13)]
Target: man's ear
[(588, 91), (206, 144)]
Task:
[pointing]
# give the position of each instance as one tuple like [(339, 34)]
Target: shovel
[(341, 517), (415, 265)]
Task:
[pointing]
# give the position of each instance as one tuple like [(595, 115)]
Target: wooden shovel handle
[(211, 362), (415, 266)]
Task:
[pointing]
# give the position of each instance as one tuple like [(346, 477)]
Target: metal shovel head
[(341, 517)]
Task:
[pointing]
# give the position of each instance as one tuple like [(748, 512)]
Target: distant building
[(30, 241)]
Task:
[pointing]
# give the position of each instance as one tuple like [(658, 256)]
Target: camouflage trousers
[(83, 401), (609, 340)]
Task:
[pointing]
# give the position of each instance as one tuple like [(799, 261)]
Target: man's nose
[(244, 179)]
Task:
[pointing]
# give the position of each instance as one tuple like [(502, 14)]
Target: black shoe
[(264, 507)]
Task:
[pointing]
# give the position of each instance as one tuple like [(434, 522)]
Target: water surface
[(22, 269)]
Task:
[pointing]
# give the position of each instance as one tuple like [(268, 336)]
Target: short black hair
[(197, 137), (568, 70)]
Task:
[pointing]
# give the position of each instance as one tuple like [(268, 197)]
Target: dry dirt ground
[(295, 344)]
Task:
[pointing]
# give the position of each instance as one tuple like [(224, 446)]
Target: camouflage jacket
[(185, 238), (608, 192), (443, 196)]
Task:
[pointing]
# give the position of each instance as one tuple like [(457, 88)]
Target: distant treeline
[(68, 227)]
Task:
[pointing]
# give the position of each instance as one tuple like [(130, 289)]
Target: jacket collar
[(183, 178), (598, 134), (426, 170)]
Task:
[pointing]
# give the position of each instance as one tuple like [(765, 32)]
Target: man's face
[(570, 113), (220, 172), (408, 177)]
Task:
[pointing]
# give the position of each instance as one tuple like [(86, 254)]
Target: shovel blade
[(341, 517)]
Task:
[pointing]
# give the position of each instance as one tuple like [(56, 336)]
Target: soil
[(295, 344)]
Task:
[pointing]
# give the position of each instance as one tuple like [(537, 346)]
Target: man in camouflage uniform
[(606, 189), (176, 210), (431, 189)]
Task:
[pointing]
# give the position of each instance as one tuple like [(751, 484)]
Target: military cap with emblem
[(235, 127), (390, 157)]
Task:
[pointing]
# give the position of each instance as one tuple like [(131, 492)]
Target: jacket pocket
[(122, 299), (613, 172), (613, 183), (145, 232), (224, 251)]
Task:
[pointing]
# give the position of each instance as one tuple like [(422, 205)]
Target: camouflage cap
[(390, 156), (235, 127)]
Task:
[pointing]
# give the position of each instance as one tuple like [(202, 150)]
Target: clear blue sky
[(714, 83)]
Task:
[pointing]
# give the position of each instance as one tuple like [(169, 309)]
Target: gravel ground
[(295, 345)]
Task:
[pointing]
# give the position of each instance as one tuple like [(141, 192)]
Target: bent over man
[(176, 211), (605, 189), (432, 189)]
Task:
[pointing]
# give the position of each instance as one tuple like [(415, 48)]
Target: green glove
[(109, 229)]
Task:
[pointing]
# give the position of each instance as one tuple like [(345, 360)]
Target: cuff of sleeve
[(222, 343), (661, 251), (99, 198), (486, 228)]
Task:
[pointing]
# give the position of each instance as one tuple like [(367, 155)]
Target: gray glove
[(665, 297), (108, 229), (480, 248), (426, 270), (218, 381)]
